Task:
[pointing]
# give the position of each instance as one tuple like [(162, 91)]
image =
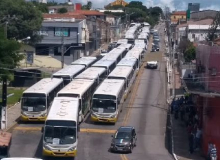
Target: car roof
[(125, 129)]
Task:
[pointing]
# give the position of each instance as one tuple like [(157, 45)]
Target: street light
[(27, 38)]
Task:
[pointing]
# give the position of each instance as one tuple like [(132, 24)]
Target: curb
[(171, 122)]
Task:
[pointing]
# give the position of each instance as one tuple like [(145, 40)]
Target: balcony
[(198, 84)]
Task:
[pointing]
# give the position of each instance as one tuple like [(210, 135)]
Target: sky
[(173, 4)]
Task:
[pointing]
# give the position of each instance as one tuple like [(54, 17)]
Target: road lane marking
[(83, 130), (123, 157)]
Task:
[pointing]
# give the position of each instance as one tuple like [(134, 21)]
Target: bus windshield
[(104, 106), (33, 104), (59, 135)]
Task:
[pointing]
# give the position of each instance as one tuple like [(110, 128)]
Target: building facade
[(71, 33), (194, 7), (178, 15), (79, 34), (205, 89)]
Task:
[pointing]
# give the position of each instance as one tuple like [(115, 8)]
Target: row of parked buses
[(86, 86)]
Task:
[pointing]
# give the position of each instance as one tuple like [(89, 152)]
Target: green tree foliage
[(88, 6), (9, 56), (137, 12), (188, 50), (190, 53), (41, 6), (27, 22), (62, 10)]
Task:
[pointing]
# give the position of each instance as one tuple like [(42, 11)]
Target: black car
[(124, 140)]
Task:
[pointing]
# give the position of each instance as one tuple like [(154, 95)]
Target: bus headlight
[(94, 115), (47, 147), (72, 149), (23, 113), (43, 115), (113, 116)]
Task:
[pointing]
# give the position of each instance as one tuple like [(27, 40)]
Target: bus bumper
[(37, 119), (104, 120), (49, 153)]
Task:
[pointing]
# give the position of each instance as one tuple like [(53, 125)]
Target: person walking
[(209, 150), (198, 138), (191, 143), (213, 153)]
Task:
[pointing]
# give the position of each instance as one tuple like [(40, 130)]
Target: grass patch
[(15, 98)]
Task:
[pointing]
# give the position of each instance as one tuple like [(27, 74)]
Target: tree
[(41, 6), (88, 6), (27, 22), (9, 56), (190, 53), (188, 49), (62, 10)]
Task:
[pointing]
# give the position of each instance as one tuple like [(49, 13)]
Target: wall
[(175, 18), (76, 33), (203, 15), (211, 121)]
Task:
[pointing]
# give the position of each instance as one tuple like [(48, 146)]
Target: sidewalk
[(180, 135), (13, 114)]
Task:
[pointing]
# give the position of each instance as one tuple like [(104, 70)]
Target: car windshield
[(123, 135), (103, 106), (33, 104), (60, 135)]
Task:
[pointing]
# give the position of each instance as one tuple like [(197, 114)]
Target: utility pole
[(4, 92), (62, 49), (171, 53)]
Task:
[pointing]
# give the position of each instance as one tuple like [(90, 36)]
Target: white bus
[(136, 53), (130, 37), (116, 54), (95, 73), (107, 101), (129, 61), (61, 128), (127, 46), (109, 65), (123, 72), (86, 61), (36, 100), (82, 89), (122, 41), (20, 158), (69, 72)]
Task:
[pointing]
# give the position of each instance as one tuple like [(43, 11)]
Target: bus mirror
[(42, 129), (19, 100)]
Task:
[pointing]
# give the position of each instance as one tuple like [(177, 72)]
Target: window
[(174, 17), (58, 32)]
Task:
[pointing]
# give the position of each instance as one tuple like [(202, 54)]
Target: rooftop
[(200, 22), (179, 13), (65, 16), (88, 12)]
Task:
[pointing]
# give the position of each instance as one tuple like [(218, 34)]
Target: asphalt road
[(145, 109)]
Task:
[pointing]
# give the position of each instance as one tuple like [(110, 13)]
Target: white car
[(152, 64)]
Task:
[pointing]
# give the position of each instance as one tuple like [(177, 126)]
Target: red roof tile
[(65, 15), (179, 13), (88, 12)]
